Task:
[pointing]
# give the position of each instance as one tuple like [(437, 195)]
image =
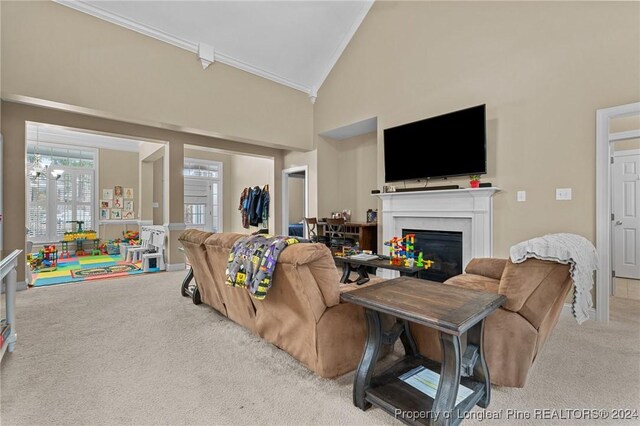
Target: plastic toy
[(401, 250), (46, 260), (402, 253)]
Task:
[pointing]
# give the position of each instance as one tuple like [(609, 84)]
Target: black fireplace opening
[(444, 248)]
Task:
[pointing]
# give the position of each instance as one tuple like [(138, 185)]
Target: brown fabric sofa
[(515, 333), (301, 314)]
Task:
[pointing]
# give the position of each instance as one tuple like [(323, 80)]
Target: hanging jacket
[(254, 202), (263, 207), (244, 196)]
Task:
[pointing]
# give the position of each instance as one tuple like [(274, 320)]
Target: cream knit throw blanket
[(571, 249)]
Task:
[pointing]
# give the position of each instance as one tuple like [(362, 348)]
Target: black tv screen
[(452, 144)]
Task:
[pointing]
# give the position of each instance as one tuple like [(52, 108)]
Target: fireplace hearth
[(444, 248)]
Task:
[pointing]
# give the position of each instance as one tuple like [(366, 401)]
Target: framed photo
[(128, 193), (104, 214), (107, 194), (118, 202), (128, 205), (128, 214), (116, 213), (117, 191), (106, 204)]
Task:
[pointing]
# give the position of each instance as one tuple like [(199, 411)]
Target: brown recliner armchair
[(514, 334)]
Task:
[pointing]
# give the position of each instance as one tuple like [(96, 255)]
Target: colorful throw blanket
[(571, 249), (252, 260)]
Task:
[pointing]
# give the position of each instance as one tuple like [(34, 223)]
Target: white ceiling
[(295, 43)]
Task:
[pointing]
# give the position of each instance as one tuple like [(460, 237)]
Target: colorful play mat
[(84, 268)]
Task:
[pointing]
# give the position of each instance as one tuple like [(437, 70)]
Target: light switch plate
[(522, 196), (156, 205), (563, 194)]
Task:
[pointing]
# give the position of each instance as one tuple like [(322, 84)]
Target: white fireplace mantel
[(469, 211)]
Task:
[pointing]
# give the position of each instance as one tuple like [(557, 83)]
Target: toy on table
[(402, 253), (79, 237)]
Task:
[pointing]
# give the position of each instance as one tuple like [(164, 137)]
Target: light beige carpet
[(133, 351)]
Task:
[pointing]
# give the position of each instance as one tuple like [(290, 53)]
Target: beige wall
[(157, 189), (251, 171), (296, 199), (117, 168), (356, 175), (135, 78), (543, 69)]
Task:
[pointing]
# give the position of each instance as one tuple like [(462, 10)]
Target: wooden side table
[(450, 310)]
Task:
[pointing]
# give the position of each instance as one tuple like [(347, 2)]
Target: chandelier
[(41, 169)]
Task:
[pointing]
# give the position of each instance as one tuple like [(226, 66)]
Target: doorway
[(295, 203), (616, 127)]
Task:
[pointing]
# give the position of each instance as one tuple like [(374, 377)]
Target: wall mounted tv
[(452, 144)]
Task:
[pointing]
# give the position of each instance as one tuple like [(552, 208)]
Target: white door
[(626, 214), (198, 211)]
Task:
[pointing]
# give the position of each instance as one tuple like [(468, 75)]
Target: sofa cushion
[(520, 281), (475, 282), (488, 267), (194, 236)]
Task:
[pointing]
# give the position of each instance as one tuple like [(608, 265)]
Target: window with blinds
[(203, 194), (52, 204)]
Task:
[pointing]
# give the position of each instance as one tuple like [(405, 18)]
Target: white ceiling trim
[(191, 46)]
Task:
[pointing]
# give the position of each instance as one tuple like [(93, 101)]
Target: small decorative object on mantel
[(474, 180)]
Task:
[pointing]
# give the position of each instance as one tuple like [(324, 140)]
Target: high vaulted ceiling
[(295, 43)]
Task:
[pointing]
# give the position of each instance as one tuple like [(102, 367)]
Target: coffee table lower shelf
[(396, 397)]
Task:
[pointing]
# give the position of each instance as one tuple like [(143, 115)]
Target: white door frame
[(285, 196), (604, 152)]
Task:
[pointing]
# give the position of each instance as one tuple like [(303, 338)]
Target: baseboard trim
[(567, 310), (175, 226), (20, 285), (176, 266)]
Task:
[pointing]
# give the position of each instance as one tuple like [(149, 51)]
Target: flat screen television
[(452, 144)]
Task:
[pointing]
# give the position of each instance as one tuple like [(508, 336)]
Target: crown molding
[(191, 46)]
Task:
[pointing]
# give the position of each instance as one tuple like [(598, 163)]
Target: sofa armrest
[(487, 267)]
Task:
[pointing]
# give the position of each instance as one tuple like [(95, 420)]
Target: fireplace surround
[(469, 211)]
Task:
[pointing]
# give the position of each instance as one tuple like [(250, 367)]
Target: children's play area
[(82, 256)]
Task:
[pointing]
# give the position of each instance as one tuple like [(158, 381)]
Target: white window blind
[(51, 203)]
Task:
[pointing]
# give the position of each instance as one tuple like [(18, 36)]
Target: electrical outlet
[(563, 194), (522, 196)]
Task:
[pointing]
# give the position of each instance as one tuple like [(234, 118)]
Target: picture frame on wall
[(128, 205), (117, 191), (118, 202), (128, 193), (104, 214), (106, 204), (116, 214), (107, 194), (128, 215)]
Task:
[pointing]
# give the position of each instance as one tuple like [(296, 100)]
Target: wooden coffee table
[(449, 309), (362, 265)]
